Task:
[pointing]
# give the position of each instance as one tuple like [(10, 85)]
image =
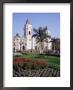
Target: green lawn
[(53, 61)]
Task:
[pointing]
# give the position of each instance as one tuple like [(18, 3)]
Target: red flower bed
[(28, 63), (20, 60), (41, 63)]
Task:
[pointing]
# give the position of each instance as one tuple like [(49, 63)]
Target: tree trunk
[(54, 47), (41, 47)]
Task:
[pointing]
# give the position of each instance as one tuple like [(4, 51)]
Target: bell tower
[(28, 34)]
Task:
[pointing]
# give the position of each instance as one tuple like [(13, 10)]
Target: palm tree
[(41, 36)]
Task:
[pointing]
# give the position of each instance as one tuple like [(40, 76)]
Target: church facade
[(27, 42)]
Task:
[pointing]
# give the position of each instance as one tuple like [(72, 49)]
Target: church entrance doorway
[(23, 48), (14, 49)]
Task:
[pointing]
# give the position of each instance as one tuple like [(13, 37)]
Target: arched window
[(29, 32)]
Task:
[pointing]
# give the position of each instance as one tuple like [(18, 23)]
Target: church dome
[(17, 35)]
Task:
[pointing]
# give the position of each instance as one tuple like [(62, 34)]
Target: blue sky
[(51, 20)]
